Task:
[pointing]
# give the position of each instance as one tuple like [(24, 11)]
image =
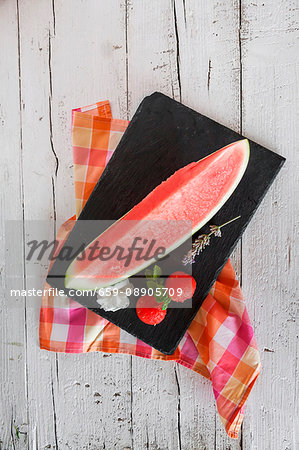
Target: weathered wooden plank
[(88, 64), (13, 397), (270, 105), (95, 387), (94, 401), (152, 67), (155, 405), (38, 170), (197, 411), (208, 63), (152, 62)]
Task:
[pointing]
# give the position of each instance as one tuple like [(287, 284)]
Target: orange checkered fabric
[(219, 343)]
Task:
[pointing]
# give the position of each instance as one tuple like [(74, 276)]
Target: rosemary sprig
[(203, 240)]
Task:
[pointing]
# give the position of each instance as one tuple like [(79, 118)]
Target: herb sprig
[(203, 240), (156, 283)]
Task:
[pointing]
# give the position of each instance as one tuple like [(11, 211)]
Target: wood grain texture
[(39, 164), (151, 66), (209, 66), (270, 105), (235, 61), (13, 393), (95, 388)]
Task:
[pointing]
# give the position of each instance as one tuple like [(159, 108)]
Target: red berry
[(149, 311), (180, 282)]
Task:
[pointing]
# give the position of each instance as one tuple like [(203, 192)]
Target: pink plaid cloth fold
[(219, 343)]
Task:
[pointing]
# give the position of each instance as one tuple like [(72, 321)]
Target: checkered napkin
[(219, 343)]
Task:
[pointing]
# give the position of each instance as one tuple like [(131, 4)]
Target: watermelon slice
[(168, 216)]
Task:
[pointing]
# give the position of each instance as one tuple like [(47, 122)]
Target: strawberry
[(149, 311), (183, 281)]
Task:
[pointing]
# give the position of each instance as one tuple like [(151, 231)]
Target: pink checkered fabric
[(219, 343)]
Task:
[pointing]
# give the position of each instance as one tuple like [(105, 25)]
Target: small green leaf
[(148, 273), (17, 432), (157, 271), (160, 291), (166, 303), (164, 296), (151, 284)]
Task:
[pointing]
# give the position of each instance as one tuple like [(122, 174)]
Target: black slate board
[(162, 137)]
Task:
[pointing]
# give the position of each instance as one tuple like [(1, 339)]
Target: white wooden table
[(233, 60)]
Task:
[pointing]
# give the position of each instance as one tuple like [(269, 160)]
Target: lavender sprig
[(203, 240)]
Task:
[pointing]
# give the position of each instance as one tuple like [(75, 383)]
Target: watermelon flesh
[(168, 216)]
